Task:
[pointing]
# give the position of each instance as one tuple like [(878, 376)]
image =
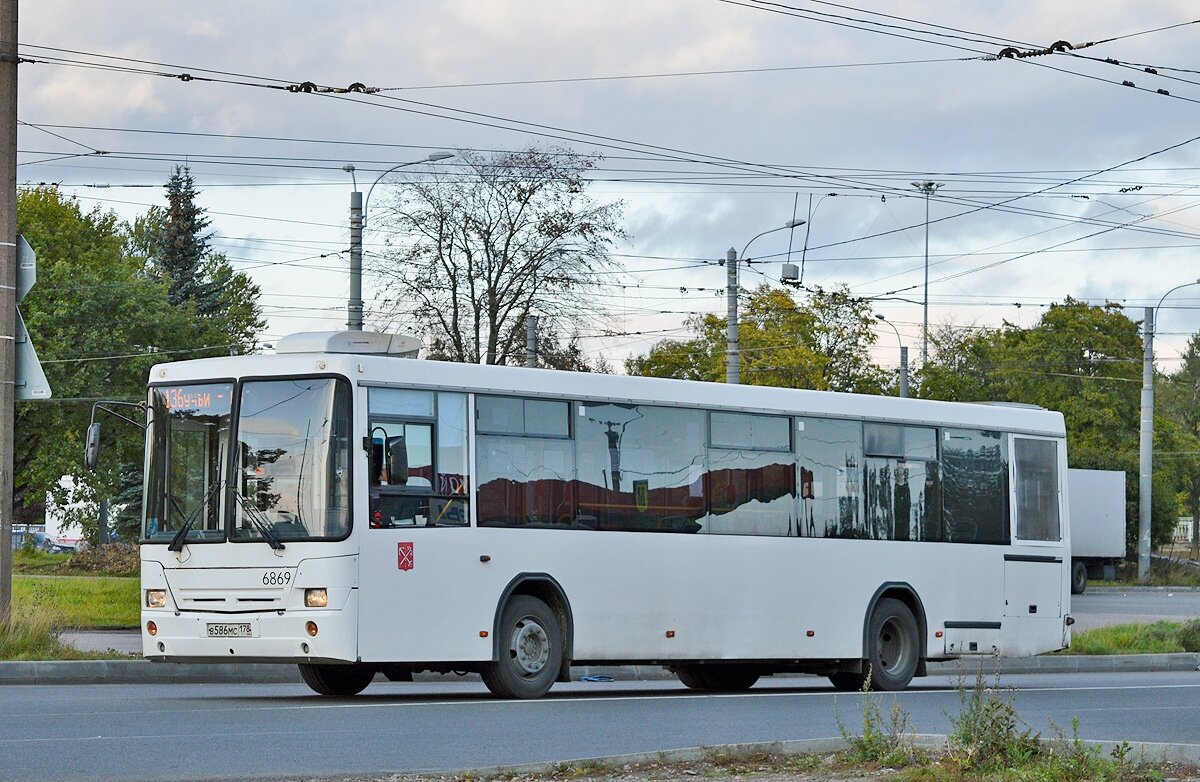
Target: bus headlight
[(156, 598), (316, 598)]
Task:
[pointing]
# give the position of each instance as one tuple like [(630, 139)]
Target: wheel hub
[(892, 646), (531, 646)]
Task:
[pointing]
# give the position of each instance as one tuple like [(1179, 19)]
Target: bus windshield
[(290, 479), (187, 447), (293, 460)]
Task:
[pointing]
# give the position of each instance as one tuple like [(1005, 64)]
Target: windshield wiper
[(263, 526), (180, 537)]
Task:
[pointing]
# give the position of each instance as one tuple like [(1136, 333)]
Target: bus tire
[(893, 646), (847, 681), (691, 678), (1079, 578), (336, 681), (530, 652), (731, 678), (718, 678)]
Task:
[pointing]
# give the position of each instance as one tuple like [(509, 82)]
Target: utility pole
[(354, 319), (8, 292), (928, 188), (531, 324), (1146, 447), (1146, 443), (733, 357)]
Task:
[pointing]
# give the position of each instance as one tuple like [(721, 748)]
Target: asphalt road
[(190, 732), (1109, 606)]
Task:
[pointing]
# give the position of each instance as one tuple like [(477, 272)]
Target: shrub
[(114, 559)]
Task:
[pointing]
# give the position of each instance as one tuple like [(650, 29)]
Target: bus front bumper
[(268, 636)]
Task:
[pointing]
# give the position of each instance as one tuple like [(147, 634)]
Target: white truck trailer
[(1096, 499)]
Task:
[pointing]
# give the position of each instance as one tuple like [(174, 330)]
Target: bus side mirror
[(91, 450), (397, 461)]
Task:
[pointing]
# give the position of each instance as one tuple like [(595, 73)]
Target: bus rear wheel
[(717, 678), (336, 681), (530, 650), (893, 645)]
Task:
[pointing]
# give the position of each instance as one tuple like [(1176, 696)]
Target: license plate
[(239, 630)]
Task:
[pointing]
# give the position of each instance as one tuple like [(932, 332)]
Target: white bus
[(354, 512)]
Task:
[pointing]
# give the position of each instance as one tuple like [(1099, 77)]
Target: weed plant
[(31, 635), (887, 740)]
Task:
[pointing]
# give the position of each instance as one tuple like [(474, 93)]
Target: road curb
[(1146, 752), (146, 672), (1117, 588)]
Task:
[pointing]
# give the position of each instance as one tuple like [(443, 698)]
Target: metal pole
[(8, 293), (1146, 450), (928, 187), (903, 371), (354, 309), (732, 355), (925, 302), (531, 324)]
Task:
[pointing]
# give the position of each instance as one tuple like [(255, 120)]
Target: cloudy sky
[(717, 119)]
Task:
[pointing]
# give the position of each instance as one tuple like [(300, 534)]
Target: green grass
[(80, 601), (1157, 638)]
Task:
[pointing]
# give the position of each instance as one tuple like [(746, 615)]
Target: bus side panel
[(427, 596)]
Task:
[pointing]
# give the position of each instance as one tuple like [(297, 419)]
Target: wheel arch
[(904, 592), (546, 588)]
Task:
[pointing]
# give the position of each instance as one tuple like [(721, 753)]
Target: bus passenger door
[(1037, 565)]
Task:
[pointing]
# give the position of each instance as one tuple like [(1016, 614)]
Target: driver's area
[(417, 452)]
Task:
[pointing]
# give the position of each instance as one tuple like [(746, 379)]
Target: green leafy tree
[(1181, 404), (819, 343), (1079, 359), (175, 242), (98, 322)]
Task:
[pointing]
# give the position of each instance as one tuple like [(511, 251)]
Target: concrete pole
[(903, 370), (925, 302), (733, 356), (1146, 450), (354, 309), (8, 291), (531, 324)]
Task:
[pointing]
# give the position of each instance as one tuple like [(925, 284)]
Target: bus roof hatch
[(400, 345)]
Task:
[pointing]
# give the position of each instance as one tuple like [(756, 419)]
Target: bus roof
[(382, 369)]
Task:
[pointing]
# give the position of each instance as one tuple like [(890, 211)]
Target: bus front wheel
[(337, 681), (530, 651)]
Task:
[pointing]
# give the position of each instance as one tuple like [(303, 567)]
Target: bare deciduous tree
[(473, 249)]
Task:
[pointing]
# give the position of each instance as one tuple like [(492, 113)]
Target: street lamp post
[(733, 358), (1146, 445), (358, 220), (928, 188), (903, 355)]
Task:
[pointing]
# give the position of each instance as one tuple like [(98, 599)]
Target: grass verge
[(1156, 638), (79, 601), (32, 635)]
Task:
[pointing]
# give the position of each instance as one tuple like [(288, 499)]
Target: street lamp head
[(436, 156), (794, 223), (349, 168), (879, 316)]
